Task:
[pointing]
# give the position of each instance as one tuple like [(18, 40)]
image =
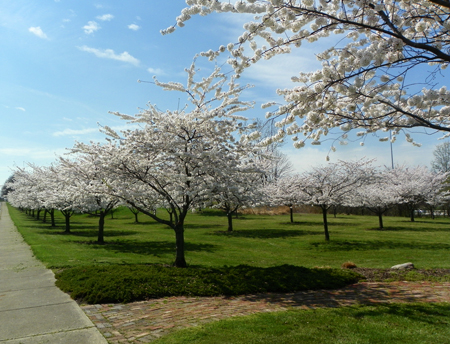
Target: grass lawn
[(383, 324), (258, 240)]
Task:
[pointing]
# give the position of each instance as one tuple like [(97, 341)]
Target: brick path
[(143, 322)]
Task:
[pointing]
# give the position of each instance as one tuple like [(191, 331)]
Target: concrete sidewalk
[(32, 309)]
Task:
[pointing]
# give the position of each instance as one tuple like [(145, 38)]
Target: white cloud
[(155, 71), (105, 17), (91, 27), (110, 54), (134, 27), (38, 32), (86, 131), (20, 108), (67, 132)]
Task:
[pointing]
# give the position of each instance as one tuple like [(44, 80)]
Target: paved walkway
[(32, 309), (143, 322)]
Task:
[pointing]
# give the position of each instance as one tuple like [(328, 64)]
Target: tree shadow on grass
[(317, 224), (265, 233), (365, 295), (410, 229), (199, 226), (90, 234), (370, 245), (149, 248)]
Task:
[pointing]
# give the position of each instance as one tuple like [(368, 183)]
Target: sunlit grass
[(258, 240), (383, 324)]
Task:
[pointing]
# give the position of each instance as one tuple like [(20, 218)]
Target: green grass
[(383, 324), (126, 265), (258, 240)]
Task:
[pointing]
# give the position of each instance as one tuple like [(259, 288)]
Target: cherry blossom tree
[(283, 191), (241, 188), (385, 73), (91, 186), (417, 185), (331, 185), (377, 195), (176, 158)]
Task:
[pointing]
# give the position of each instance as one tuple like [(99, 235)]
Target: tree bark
[(136, 220), (230, 221), (180, 261), (325, 223), (52, 217), (101, 227), (380, 220), (67, 217), (411, 213)]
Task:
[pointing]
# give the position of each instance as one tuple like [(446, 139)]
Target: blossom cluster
[(369, 81)]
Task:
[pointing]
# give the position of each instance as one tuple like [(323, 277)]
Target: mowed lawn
[(265, 241), (258, 240)]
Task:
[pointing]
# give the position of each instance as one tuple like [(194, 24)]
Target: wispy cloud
[(38, 32), (105, 17), (155, 71), (70, 132), (86, 131), (134, 27), (110, 54), (91, 27), (20, 108)]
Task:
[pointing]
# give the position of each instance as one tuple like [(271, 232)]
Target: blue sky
[(66, 63)]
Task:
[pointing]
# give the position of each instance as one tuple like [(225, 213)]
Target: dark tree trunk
[(101, 227), (180, 261), (52, 217), (411, 213), (380, 220), (44, 218), (136, 217), (38, 214), (230, 221), (67, 217), (291, 212), (325, 223)]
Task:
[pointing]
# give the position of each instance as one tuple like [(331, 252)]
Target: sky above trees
[(65, 64)]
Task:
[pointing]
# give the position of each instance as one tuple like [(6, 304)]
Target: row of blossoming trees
[(203, 156)]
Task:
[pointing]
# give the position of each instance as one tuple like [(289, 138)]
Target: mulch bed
[(389, 275)]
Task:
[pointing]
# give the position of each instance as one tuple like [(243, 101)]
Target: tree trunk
[(44, 218), (180, 261), (230, 221), (380, 220), (325, 223), (38, 214), (136, 220), (52, 217), (291, 212), (101, 227), (411, 213), (67, 217)]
